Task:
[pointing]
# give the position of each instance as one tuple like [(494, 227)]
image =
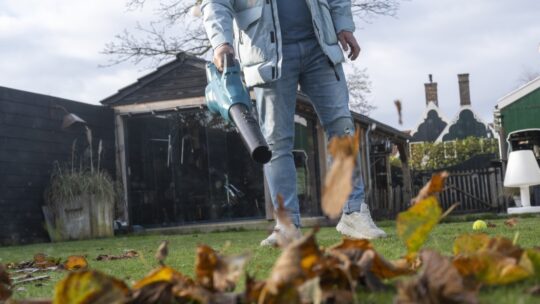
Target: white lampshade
[(522, 169)]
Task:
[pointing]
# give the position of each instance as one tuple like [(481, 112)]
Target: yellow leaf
[(532, 258), (75, 262), (90, 287), (162, 274), (500, 269), (470, 243), (415, 224)]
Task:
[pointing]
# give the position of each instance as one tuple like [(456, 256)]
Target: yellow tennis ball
[(479, 225)]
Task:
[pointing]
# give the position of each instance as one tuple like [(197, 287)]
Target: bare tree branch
[(174, 30), (359, 91)]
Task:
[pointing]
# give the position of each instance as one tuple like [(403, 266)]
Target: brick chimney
[(431, 91), (464, 92)]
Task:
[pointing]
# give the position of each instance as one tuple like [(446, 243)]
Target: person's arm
[(344, 24), (218, 23), (342, 15)]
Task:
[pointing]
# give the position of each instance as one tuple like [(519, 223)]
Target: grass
[(182, 255)]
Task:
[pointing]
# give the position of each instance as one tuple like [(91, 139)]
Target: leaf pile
[(308, 273)]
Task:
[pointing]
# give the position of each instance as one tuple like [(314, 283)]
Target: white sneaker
[(281, 236), (359, 225)]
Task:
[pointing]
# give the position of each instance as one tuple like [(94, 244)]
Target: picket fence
[(478, 190)]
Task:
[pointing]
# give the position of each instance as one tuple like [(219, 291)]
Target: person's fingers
[(355, 50), (343, 42), (219, 53)]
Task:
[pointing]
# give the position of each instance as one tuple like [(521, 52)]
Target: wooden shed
[(181, 165)]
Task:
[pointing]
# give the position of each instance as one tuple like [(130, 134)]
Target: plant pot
[(101, 217), (84, 217)]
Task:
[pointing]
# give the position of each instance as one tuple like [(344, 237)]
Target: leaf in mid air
[(338, 180), (415, 224)]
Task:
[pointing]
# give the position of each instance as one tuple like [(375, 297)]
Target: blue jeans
[(304, 63)]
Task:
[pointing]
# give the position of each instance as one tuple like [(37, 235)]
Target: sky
[(54, 47)]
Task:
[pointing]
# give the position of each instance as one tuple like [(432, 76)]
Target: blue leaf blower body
[(227, 95)]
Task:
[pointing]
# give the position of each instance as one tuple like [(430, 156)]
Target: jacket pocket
[(328, 30), (247, 17), (252, 38)]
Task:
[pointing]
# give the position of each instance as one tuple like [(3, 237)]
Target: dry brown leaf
[(253, 289), (338, 181), (491, 225), (5, 284), (435, 185), (128, 254), (397, 103), (75, 262), (511, 222), (41, 260), (534, 291), (438, 282), (160, 286), (162, 252), (381, 267), (296, 264), (89, 286), (217, 273)]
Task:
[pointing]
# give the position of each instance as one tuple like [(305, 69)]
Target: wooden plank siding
[(31, 140)]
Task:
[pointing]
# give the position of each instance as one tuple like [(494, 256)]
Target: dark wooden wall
[(31, 140)]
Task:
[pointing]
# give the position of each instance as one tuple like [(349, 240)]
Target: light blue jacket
[(258, 35)]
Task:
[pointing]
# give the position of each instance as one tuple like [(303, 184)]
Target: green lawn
[(182, 255)]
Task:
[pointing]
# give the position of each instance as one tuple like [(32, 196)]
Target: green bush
[(430, 156)]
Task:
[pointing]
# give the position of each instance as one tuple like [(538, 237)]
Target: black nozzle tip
[(261, 154)]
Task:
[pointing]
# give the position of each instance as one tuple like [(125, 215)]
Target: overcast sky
[(53, 47)]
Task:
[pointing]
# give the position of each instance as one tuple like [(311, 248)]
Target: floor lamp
[(522, 171)]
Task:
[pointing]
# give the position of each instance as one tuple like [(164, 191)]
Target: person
[(283, 44)]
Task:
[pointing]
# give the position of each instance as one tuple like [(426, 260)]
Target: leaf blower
[(227, 95)]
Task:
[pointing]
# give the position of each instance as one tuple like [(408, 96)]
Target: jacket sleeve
[(342, 15), (218, 21)]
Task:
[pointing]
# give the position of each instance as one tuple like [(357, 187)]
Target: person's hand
[(219, 52), (347, 40)]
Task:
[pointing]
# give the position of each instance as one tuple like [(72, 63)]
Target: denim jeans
[(306, 65)]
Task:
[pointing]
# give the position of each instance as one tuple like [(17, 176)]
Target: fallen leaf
[(415, 224), (296, 264), (435, 185), (41, 260), (534, 291), (162, 252), (470, 243), (491, 225), (381, 267), (75, 262), (160, 286), (511, 222), (5, 284), (438, 282), (253, 289), (217, 273), (532, 258), (338, 180), (163, 274), (492, 261), (128, 254), (90, 286), (397, 103)]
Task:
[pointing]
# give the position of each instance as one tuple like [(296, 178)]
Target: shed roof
[(183, 77)]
